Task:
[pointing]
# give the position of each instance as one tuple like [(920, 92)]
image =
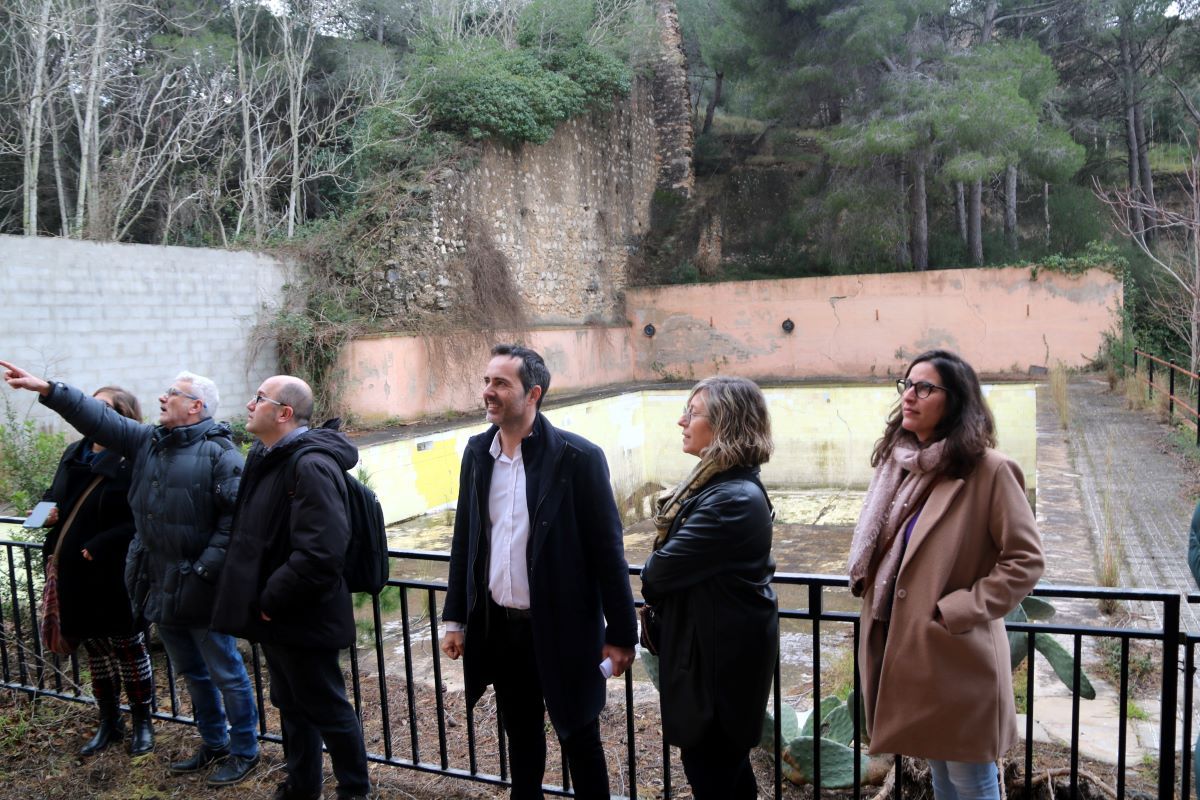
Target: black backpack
[(366, 566)]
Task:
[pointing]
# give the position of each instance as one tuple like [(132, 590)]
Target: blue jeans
[(213, 669), (965, 780)]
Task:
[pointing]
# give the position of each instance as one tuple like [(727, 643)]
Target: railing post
[(1171, 392), (1170, 697), (1150, 374)]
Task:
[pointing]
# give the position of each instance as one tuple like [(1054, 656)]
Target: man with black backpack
[(283, 584)]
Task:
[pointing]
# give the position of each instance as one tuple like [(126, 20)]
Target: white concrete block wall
[(94, 313)]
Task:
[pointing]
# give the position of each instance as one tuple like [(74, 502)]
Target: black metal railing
[(422, 727)]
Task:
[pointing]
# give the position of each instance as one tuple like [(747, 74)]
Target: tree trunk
[(835, 111), (32, 124), (56, 155), (86, 198), (989, 22), (1133, 158), (294, 189), (1010, 208), (250, 179), (960, 210), (1046, 209), (920, 215), (712, 102), (1194, 354), (1147, 177), (975, 223)]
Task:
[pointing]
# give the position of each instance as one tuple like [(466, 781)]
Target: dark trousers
[(523, 709), (718, 772), (308, 689)]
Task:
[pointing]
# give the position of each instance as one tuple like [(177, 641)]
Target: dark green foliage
[(28, 460), (1076, 218), (487, 91)]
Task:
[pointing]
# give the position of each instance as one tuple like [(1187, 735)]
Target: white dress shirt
[(508, 513), (508, 510)]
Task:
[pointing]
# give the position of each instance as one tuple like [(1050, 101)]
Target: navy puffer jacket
[(182, 491)]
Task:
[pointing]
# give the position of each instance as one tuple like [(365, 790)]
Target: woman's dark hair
[(123, 402), (966, 425)]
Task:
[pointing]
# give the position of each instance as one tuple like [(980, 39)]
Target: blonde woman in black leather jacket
[(709, 582)]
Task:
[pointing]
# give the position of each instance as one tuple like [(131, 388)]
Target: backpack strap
[(289, 469)]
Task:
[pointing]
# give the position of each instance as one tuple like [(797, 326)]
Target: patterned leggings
[(114, 659)]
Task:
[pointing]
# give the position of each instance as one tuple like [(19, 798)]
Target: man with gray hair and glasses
[(185, 478)]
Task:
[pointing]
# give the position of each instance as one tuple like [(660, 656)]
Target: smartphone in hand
[(37, 517)]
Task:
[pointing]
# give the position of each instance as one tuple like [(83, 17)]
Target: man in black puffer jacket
[(182, 490), (283, 584)]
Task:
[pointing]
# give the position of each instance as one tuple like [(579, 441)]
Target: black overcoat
[(288, 547), (578, 577), (91, 594), (711, 587)]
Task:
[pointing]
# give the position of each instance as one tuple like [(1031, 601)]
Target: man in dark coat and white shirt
[(283, 587), (538, 594)]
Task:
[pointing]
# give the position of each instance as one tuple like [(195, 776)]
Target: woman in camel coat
[(945, 546)]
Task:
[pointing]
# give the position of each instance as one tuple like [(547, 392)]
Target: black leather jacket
[(711, 586)]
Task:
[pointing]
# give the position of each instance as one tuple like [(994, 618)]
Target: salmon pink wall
[(405, 378), (853, 327), (862, 326)]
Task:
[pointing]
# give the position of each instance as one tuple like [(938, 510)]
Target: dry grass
[(1135, 393), (1059, 378), (1162, 407), (1109, 568)]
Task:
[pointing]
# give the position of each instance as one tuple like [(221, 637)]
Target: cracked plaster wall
[(856, 327)]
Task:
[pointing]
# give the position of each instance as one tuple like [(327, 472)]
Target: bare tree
[(29, 80), (1169, 237), (169, 121), (315, 123)]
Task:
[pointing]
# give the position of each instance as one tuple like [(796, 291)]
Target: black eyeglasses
[(922, 388), (175, 391), (258, 398)]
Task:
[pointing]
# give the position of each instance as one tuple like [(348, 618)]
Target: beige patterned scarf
[(898, 489), (667, 506)]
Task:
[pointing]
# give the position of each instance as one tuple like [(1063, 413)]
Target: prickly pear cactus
[(799, 741)]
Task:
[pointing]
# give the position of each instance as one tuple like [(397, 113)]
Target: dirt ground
[(1112, 467)]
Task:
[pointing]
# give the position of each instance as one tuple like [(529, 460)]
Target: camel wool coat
[(943, 689)]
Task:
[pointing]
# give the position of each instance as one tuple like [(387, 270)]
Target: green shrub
[(28, 460), (486, 91)]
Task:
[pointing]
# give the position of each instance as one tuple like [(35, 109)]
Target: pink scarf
[(898, 489)]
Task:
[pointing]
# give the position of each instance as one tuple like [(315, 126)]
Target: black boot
[(111, 729), (141, 735)]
